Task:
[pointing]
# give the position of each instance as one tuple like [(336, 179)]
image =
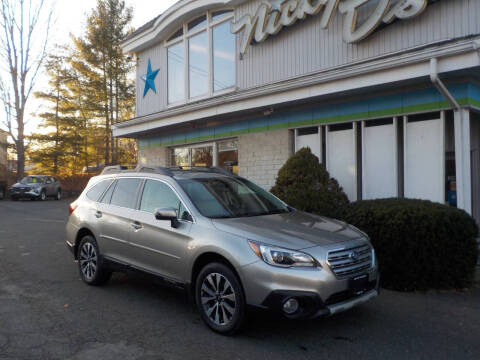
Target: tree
[(24, 27), (101, 62), (305, 184), (61, 144)]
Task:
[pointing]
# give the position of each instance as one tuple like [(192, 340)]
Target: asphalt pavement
[(47, 312)]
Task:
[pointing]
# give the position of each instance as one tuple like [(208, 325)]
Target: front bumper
[(24, 194), (318, 291)]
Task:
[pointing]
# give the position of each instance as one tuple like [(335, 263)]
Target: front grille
[(350, 261)]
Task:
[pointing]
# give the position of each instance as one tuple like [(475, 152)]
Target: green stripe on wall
[(434, 106)]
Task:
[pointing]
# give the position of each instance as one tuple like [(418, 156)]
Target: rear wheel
[(220, 298), (59, 195), (89, 264)]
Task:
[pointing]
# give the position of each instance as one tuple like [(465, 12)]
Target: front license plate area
[(359, 284)]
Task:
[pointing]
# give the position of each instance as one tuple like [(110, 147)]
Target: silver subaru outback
[(226, 241)]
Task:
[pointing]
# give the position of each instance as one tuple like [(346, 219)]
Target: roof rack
[(154, 169), (208, 169), (113, 169)]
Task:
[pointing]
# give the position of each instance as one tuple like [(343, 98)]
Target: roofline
[(160, 27)]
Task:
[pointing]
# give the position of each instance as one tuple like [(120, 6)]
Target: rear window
[(97, 190), (125, 193)]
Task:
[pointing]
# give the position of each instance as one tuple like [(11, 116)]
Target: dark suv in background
[(36, 187)]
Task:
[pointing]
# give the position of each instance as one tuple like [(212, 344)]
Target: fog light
[(290, 306)]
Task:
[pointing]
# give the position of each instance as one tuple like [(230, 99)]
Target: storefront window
[(176, 73), (223, 57), (228, 155), (198, 64), (202, 156), (180, 157), (223, 154)]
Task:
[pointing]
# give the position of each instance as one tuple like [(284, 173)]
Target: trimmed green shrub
[(305, 184), (419, 244)]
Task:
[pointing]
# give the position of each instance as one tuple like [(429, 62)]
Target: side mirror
[(167, 214)]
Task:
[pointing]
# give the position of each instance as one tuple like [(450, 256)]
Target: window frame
[(185, 39), (142, 189), (114, 183)]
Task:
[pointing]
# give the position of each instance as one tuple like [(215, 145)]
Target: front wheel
[(89, 264), (43, 195), (220, 298), (2, 194)]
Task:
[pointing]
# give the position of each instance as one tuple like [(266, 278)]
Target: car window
[(125, 192), (108, 195), (158, 195), (97, 190)]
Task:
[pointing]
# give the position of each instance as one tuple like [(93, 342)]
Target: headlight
[(280, 257)]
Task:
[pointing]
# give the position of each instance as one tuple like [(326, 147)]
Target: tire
[(14, 198), (2, 194), (90, 266), (220, 299), (43, 195), (59, 195)]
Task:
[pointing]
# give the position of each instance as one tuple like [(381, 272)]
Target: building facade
[(385, 92)]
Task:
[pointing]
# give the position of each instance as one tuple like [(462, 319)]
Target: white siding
[(425, 160), (379, 162)]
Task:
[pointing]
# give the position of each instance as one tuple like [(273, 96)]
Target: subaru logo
[(354, 255)]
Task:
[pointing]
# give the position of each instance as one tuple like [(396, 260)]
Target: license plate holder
[(358, 284)]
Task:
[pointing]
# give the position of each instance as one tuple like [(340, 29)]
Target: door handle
[(98, 214), (136, 225)]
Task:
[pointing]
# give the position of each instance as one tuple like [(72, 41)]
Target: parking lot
[(47, 312)]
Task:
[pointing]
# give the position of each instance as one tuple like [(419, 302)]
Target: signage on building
[(273, 15)]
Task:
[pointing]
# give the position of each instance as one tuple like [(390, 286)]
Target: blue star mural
[(149, 79)]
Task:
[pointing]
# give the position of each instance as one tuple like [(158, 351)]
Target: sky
[(70, 17)]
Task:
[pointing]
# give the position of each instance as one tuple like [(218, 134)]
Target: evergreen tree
[(101, 62), (58, 145)]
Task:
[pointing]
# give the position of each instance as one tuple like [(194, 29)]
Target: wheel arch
[(203, 260), (80, 234)]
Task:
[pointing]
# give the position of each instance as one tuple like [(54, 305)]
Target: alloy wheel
[(88, 261), (218, 299)]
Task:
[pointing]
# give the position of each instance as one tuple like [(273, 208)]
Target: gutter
[(440, 85)]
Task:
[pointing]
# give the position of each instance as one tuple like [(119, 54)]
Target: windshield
[(32, 180), (229, 197)]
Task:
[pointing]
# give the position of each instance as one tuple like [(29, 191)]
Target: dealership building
[(386, 93)]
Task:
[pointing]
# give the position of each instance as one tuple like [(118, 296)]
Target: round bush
[(305, 184), (419, 244)]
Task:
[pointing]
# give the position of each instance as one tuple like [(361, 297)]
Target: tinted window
[(125, 193), (158, 195), (108, 195), (95, 192)]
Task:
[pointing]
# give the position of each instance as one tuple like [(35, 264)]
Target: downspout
[(440, 85)]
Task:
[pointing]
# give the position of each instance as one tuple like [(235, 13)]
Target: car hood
[(295, 230)]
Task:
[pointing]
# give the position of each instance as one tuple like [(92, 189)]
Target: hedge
[(305, 184), (420, 245)]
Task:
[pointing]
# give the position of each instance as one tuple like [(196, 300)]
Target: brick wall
[(261, 155), (153, 156)]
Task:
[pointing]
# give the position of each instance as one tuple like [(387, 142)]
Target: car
[(3, 189), (227, 242), (36, 187)]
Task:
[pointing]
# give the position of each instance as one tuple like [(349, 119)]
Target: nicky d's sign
[(273, 15)]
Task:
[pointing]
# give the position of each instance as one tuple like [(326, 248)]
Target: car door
[(114, 218), (49, 186), (158, 247)]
